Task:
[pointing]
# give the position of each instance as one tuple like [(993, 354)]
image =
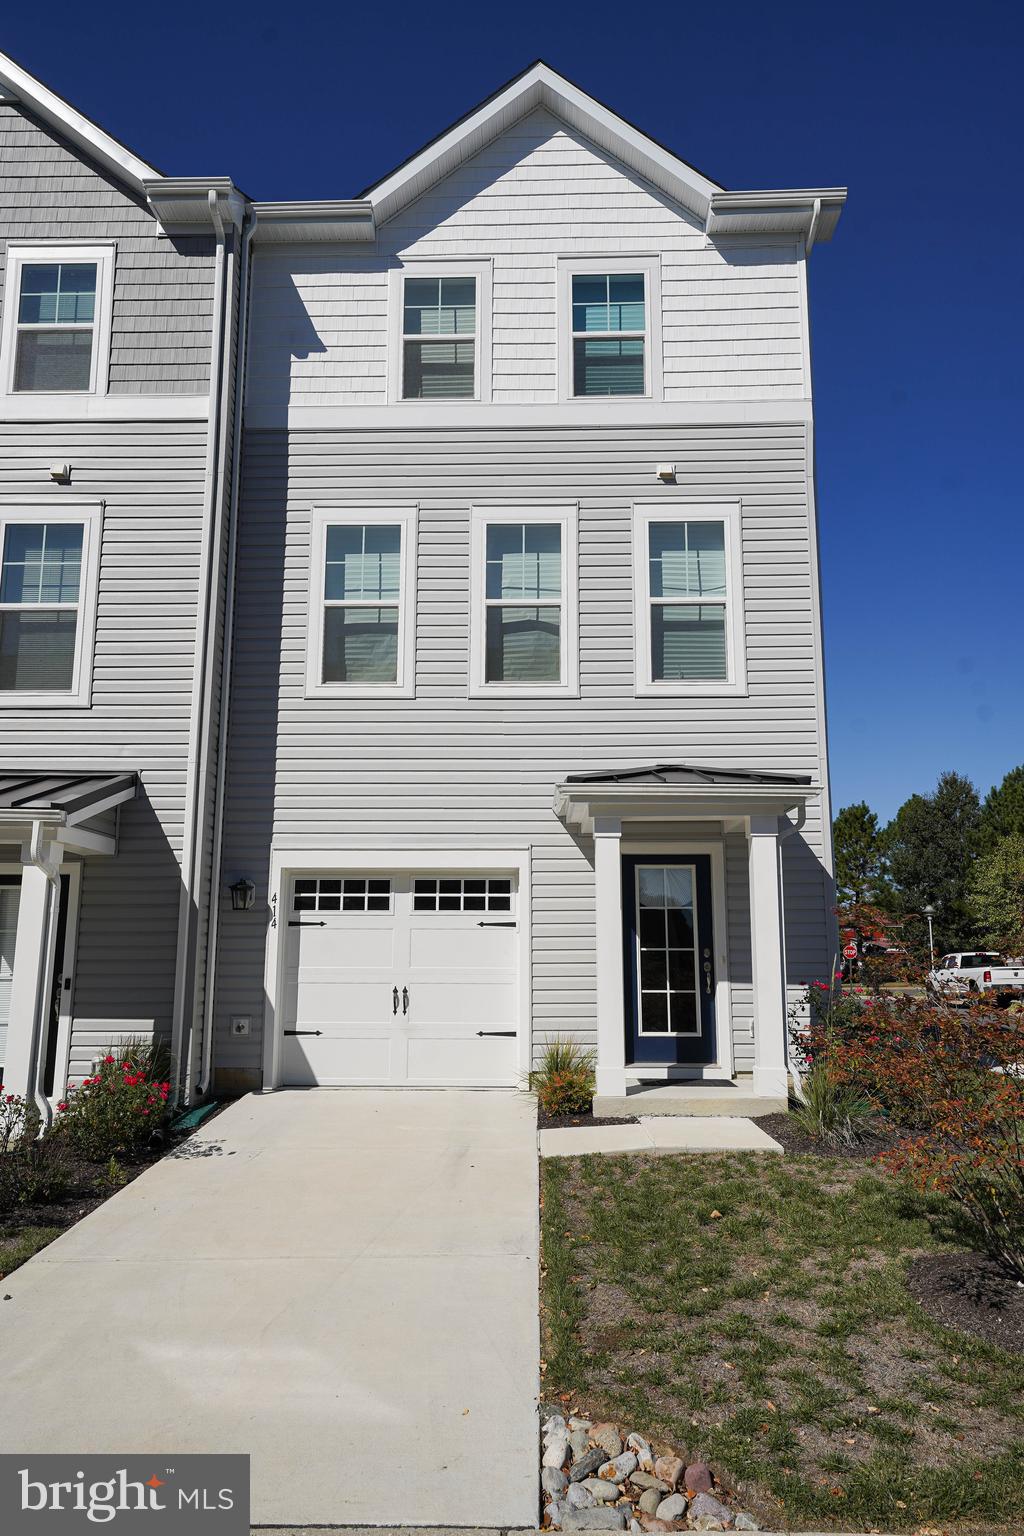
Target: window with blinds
[(362, 597), (688, 601), (40, 594), (55, 323), (439, 328), (523, 603), (609, 334)]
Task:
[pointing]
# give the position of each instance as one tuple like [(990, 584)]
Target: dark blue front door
[(669, 959)]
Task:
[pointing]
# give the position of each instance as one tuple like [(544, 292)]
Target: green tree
[(997, 893), (930, 846), (1002, 814), (858, 845)]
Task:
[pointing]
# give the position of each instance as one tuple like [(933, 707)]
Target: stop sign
[(849, 951)]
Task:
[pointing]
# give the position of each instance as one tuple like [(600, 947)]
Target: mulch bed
[(969, 1292), (559, 1122), (785, 1130)]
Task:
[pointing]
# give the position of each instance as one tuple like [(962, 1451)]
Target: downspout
[(213, 932), (35, 857), (193, 797)]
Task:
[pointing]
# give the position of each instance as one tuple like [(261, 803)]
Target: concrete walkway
[(341, 1283), (660, 1133)]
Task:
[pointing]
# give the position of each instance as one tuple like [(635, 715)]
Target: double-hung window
[(611, 334), (362, 601), (440, 341), (57, 319), (687, 574), (524, 601), (48, 561)]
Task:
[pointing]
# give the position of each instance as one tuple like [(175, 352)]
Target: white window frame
[(566, 515), (324, 516), (90, 515), (481, 270), (614, 266), (728, 513), (20, 256)]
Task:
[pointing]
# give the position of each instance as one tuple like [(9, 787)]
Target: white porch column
[(32, 979), (611, 1024), (768, 954)]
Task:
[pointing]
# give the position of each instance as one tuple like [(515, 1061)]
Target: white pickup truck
[(960, 976)]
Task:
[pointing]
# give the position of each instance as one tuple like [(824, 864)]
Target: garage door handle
[(504, 1034), (394, 999), (405, 999), (497, 925)]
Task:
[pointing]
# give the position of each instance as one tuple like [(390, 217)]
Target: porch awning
[(677, 791), (63, 801)]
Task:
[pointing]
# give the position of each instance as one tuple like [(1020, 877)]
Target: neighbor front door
[(669, 960)]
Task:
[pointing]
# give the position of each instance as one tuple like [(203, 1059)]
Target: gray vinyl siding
[(150, 476), (163, 288), (443, 769)]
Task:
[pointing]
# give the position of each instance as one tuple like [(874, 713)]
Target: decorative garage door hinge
[(303, 1031), (297, 922), (506, 1034), (497, 925)]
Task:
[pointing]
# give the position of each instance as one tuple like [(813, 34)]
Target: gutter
[(213, 930), (191, 850)]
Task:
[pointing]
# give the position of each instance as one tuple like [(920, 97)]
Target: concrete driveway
[(341, 1283)]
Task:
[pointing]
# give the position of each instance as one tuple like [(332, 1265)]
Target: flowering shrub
[(19, 1121), (32, 1168), (118, 1110), (564, 1082), (951, 1081)]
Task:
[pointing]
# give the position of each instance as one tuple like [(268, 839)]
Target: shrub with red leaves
[(116, 1111)]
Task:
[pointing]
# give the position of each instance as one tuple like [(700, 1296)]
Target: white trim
[(677, 510), (373, 514), (48, 509), (629, 411), (67, 408), (18, 256), (286, 862), (650, 267), (767, 950), (566, 515), (425, 266), (724, 1052)]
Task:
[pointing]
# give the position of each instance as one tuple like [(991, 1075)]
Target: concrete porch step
[(726, 1096)]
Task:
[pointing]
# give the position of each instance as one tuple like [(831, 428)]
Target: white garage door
[(402, 979)]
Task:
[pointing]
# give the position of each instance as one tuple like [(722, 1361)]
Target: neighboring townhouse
[(527, 725), (117, 333)]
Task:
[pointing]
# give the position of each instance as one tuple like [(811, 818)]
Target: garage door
[(407, 979)]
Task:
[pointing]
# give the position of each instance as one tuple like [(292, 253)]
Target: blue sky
[(917, 313)]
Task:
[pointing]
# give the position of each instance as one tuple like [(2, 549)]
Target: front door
[(669, 959)]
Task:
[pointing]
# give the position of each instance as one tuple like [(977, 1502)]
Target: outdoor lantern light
[(243, 895)]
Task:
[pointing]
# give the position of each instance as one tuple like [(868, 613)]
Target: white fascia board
[(798, 211), (69, 122), (581, 804), (541, 86), (182, 204), (345, 220)]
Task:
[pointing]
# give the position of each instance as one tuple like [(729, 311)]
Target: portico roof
[(59, 797), (677, 791)]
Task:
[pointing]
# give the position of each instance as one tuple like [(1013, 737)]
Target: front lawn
[(753, 1310)]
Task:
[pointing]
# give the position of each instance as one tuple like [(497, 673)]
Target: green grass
[(754, 1310), (19, 1247)]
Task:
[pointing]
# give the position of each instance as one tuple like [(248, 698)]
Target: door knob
[(707, 977), (394, 999)]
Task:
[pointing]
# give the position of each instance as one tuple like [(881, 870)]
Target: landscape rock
[(698, 1478), (652, 1523), (604, 1493), (587, 1464), (617, 1470), (556, 1452), (555, 1425), (608, 1438), (648, 1480), (579, 1442), (644, 1454), (553, 1480), (554, 1511), (579, 1496), (649, 1501), (709, 1514), (575, 1422), (741, 1521), (672, 1508), (669, 1469), (593, 1520)]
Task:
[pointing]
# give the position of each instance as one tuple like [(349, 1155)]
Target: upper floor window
[(524, 611), (610, 338), (47, 605), (440, 331), (689, 632), (57, 320), (361, 612)]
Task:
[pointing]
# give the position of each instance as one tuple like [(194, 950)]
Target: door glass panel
[(667, 956)]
